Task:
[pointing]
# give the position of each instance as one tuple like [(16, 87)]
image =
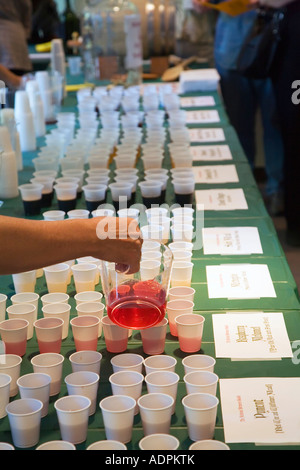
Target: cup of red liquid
[(137, 301)]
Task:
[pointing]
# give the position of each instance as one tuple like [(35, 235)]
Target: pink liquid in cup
[(190, 345), (49, 346), (18, 348), (90, 345)]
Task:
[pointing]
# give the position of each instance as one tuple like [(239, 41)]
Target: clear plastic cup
[(116, 337), (118, 415), (165, 223), (3, 301), (84, 383), (86, 361), (51, 364), (182, 232), (189, 331), (57, 277), (24, 282), (150, 245), (152, 232), (31, 195), (163, 382), (92, 308), (182, 273), (121, 191), (78, 214), (5, 381), (151, 192), (159, 363), (156, 413), (149, 269), (103, 213), (14, 336), (73, 416), (10, 364), (84, 276), (176, 308), (49, 334), (66, 194), (61, 311), (201, 381), (200, 410), (127, 362), (182, 293), (36, 385), (182, 255), (107, 445), (74, 65), (55, 298), (56, 445), (198, 362), (24, 417), (159, 442), (24, 312), (85, 332), (209, 444), (129, 383), (154, 338), (131, 213), (54, 215)]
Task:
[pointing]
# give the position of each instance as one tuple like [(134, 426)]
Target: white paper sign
[(261, 410), (221, 199), (202, 117), (207, 135), (259, 335), (239, 281), (197, 101), (210, 152), (215, 174), (231, 241)]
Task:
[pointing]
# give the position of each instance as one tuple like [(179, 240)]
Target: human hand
[(199, 6)]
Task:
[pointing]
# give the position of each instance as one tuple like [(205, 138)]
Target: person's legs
[(240, 104)]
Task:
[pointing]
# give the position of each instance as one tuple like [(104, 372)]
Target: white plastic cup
[(189, 331), (74, 65), (36, 385), (181, 245), (78, 214), (14, 335), (149, 268), (131, 213), (24, 282), (152, 232), (182, 293), (116, 337), (176, 308), (84, 275), (54, 215), (163, 382), (129, 383), (200, 411), (156, 413), (92, 308), (201, 381), (10, 364), (154, 338), (49, 334), (25, 312), (55, 298), (56, 445), (179, 255), (3, 301), (25, 420), (182, 273), (5, 381), (165, 223), (61, 311), (26, 298), (51, 364), (209, 444), (150, 245), (107, 445), (88, 297), (73, 416), (120, 190), (159, 363), (57, 277), (118, 415), (85, 332), (6, 446), (182, 232), (86, 361), (127, 362), (198, 362), (159, 442), (84, 383)]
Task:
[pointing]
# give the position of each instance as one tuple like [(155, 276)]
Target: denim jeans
[(242, 98)]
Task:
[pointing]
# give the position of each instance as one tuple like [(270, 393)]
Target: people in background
[(45, 21)]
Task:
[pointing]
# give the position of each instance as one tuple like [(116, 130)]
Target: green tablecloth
[(287, 301)]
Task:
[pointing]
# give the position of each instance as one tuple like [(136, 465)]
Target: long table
[(287, 301)]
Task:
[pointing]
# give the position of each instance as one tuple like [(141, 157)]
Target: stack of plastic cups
[(37, 107), (44, 82), (25, 121)]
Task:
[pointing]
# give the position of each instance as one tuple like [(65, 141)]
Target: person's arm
[(9, 78), (26, 244)]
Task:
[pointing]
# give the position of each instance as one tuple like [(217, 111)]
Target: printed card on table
[(251, 336), (207, 135), (239, 281), (202, 117), (215, 174), (221, 199), (262, 410), (231, 241), (197, 101), (210, 152)]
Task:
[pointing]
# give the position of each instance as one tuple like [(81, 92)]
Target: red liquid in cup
[(16, 348), (137, 304), (49, 346)]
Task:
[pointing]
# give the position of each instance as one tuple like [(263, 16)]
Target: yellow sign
[(231, 7)]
